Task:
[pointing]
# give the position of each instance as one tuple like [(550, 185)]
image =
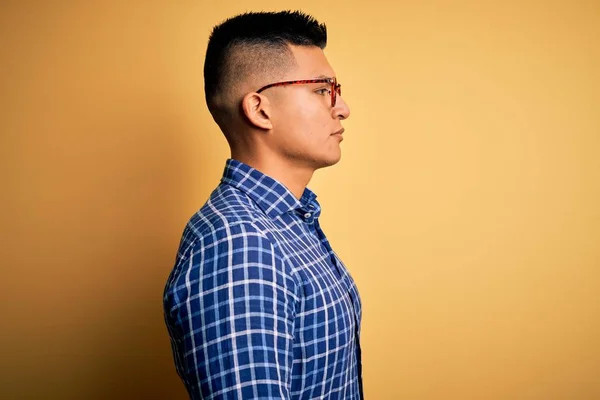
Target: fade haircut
[(253, 46)]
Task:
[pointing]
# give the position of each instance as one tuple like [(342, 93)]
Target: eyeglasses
[(336, 88)]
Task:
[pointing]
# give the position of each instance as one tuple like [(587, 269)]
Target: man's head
[(291, 122)]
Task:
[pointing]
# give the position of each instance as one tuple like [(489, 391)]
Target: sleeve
[(231, 310)]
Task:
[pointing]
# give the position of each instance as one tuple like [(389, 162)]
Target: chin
[(329, 161)]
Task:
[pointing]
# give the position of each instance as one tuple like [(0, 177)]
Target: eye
[(323, 91)]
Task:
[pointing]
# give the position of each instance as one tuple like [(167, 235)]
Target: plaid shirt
[(258, 305)]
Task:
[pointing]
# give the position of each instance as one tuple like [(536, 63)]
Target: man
[(258, 306)]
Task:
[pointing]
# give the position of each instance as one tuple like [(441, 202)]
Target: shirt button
[(307, 215)]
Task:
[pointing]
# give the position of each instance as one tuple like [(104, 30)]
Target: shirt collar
[(271, 196)]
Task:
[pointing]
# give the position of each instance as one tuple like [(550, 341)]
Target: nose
[(340, 110)]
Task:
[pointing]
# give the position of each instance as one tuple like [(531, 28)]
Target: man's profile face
[(303, 118)]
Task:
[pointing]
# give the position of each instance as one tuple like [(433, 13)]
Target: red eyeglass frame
[(336, 88)]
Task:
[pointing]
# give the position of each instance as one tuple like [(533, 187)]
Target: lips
[(341, 131)]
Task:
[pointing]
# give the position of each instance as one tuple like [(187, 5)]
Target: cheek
[(313, 124), (304, 115), (292, 108), (300, 117)]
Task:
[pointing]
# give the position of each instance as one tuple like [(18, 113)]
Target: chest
[(327, 288)]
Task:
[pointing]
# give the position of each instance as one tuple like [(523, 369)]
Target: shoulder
[(227, 236), (228, 210)]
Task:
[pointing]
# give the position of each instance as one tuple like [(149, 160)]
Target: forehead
[(310, 63)]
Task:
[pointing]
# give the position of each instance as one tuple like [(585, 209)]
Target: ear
[(257, 110)]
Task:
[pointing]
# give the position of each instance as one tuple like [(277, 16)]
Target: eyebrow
[(322, 77)]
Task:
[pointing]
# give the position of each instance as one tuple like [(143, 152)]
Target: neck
[(293, 176)]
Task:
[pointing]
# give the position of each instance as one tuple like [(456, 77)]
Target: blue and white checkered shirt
[(258, 305)]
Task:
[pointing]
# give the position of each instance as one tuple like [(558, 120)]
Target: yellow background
[(466, 204)]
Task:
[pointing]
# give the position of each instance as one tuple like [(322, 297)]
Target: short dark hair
[(266, 35)]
